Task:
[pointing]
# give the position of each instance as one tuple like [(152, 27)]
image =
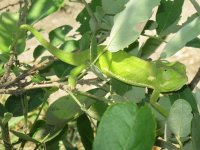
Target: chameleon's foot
[(153, 101)]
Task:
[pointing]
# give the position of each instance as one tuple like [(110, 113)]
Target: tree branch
[(13, 57), (27, 73)]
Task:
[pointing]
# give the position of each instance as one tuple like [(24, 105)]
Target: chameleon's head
[(171, 75)]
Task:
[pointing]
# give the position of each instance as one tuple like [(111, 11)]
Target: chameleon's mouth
[(174, 86)]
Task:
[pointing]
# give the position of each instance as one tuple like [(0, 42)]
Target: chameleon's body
[(161, 76), (158, 75)]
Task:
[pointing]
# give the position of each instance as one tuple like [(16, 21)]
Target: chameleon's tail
[(75, 59)]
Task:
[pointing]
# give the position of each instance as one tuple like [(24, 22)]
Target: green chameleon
[(161, 76)]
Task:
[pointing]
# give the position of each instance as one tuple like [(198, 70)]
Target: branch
[(9, 5), (16, 91), (7, 67), (60, 83), (28, 72)]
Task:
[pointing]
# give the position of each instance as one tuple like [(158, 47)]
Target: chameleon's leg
[(153, 101), (74, 75)]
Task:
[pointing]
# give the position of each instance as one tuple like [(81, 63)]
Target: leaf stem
[(179, 141), (196, 5), (6, 136)]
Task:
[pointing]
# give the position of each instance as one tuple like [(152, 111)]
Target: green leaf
[(37, 78), (180, 117), (150, 47), (86, 132), (188, 146), (34, 98), (7, 117), (70, 46), (84, 42), (57, 36), (194, 43), (8, 29), (128, 92), (186, 94), (129, 23), (97, 109), (24, 136), (55, 143), (197, 98), (38, 51), (40, 9), (117, 6), (133, 49), (195, 132), (2, 110), (184, 35), (124, 127), (83, 17), (104, 21), (168, 13), (62, 69), (37, 126), (65, 109), (4, 57)]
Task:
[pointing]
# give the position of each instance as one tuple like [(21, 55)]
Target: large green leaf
[(8, 29), (34, 99), (65, 109), (86, 132), (124, 127), (126, 92), (42, 8), (184, 35), (194, 43), (168, 13), (97, 109), (150, 47), (62, 69), (129, 23), (24, 136), (196, 132), (117, 6), (55, 143), (186, 94), (180, 117)]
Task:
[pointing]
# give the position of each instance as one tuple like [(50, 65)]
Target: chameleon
[(159, 75)]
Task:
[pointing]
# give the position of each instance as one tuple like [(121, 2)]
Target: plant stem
[(179, 141), (12, 49), (196, 5), (6, 136), (93, 96)]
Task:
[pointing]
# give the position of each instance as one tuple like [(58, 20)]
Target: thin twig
[(27, 73), (13, 57), (9, 5), (196, 5), (6, 136), (15, 91)]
